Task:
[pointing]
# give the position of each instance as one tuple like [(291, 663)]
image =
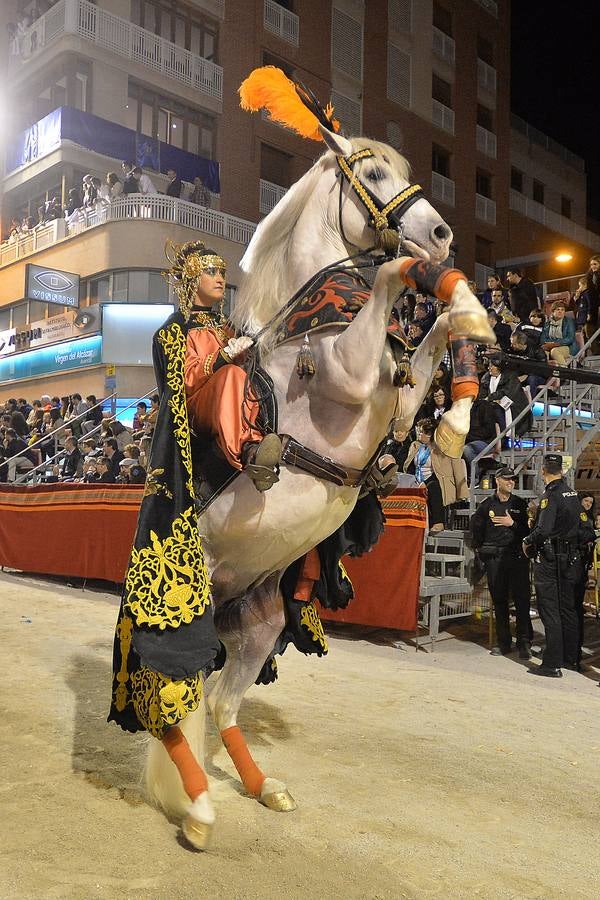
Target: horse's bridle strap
[(378, 212)]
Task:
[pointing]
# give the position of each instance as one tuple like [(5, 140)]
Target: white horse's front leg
[(423, 364)]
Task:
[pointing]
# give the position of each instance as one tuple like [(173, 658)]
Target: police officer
[(498, 529), (554, 542)]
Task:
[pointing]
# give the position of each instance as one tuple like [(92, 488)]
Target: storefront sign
[(51, 286), (52, 360), (7, 341)]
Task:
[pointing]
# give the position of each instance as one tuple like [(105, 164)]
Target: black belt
[(296, 454)]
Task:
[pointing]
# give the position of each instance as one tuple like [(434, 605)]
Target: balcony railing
[(133, 208), (442, 188), (486, 76), (552, 220), (486, 142), (282, 22), (270, 195), (485, 209), (443, 45), (442, 116), (119, 36)]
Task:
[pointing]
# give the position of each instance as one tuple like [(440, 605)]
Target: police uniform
[(506, 566), (587, 540), (554, 542)]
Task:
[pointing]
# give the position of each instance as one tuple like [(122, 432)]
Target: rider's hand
[(237, 346)]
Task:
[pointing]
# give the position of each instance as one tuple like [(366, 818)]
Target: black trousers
[(508, 578), (435, 505), (580, 587), (556, 577)]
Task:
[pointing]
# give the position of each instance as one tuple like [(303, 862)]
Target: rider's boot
[(261, 461)]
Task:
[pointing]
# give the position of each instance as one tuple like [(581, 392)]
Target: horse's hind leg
[(249, 631)]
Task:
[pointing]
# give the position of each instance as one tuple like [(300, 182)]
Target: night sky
[(556, 77)]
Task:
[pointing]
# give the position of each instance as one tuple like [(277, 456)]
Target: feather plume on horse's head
[(289, 103)]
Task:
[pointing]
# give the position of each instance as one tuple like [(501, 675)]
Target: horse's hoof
[(472, 325), (196, 833), (448, 441), (280, 801)]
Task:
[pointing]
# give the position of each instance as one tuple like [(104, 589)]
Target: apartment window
[(484, 251), (269, 59), (125, 286), (441, 90), (485, 50), (171, 122), (346, 44), (65, 85), (178, 23), (538, 191), (275, 166), (485, 117), (19, 315), (37, 311), (483, 183), (442, 19), (516, 180), (399, 76), (566, 207), (400, 15), (5, 318), (440, 161)]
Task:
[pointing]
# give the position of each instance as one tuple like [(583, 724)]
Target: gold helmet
[(188, 262)]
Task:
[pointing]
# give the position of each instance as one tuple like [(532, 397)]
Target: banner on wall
[(70, 324), (52, 360)]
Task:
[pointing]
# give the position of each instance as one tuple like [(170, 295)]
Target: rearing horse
[(342, 413)]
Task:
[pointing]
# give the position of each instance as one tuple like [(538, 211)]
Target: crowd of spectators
[(95, 195), (71, 439)]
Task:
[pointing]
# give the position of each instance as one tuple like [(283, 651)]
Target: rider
[(218, 399)]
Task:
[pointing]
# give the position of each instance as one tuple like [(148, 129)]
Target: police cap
[(555, 459), (505, 472)]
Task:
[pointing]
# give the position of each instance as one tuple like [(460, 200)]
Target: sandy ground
[(452, 774)]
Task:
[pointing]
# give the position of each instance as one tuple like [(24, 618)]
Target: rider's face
[(211, 287)]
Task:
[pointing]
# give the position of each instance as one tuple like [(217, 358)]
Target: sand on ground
[(421, 775)]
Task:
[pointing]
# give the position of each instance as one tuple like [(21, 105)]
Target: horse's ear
[(340, 145)]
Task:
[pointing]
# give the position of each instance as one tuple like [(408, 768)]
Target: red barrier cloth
[(386, 580), (79, 530)]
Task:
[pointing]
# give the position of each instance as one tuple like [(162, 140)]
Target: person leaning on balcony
[(174, 186), (115, 188), (130, 182), (145, 183), (558, 335), (200, 194)]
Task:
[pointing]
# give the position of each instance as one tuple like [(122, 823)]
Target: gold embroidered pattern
[(343, 572), (167, 583), (311, 621), (174, 344), (208, 363), (160, 702), (124, 632), (153, 485)]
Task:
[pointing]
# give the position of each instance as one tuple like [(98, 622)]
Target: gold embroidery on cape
[(311, 621), (343, 572), (160, 701), (173, 341), (124, 632), (154, 486), (167, 582)]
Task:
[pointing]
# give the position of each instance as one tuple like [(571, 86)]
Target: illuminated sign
[(52, 360), (7, 341), (51, 286)]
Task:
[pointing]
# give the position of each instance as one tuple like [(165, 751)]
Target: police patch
[(583, 517), (491, 513), (544, 503)]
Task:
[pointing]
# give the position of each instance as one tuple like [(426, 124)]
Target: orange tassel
[(269, 88)]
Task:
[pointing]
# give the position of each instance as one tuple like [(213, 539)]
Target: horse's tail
[(163, 782)]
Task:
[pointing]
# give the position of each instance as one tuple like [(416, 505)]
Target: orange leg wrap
[(192, 774), (252, 777), (309, 573), (431, 278), (463, 389)]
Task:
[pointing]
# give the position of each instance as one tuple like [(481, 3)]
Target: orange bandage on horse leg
[(462, 389), (252, 777), (191, 772), (310, 572), (431, 278)]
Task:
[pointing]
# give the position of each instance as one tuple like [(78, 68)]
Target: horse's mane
[(266, 262)]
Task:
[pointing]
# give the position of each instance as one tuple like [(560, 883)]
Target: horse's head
[(376, 204)]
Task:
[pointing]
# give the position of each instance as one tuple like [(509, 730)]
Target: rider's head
[(198, 274)]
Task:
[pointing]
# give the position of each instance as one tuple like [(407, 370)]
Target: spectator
[(502, 331), (130, 182), (145, 183), (74, 204), (137, 474), (93, 417), (139, 417), (415, 333), (104, 470), (124, 466), (36, 409), (121, 434), (520, 346), (593, 287), (483, 429), (523, 296), (71, 466), (24, 407), (111, 450), (19, 424), (132, 451), (15, 446), (494, 283), (424, 316), (150, 420), (115, 188), (174, 186), (439, 403), (90, 191), (89, 449), (442, 378), (200, 194), (145, 444), (502, 388), (533, 328), (558, 335), (582, 300)]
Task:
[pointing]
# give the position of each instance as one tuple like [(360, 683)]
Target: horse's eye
[(375, 175)]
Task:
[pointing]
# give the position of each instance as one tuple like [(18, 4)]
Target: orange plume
[(269, 88)]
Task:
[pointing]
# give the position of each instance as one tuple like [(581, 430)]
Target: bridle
[(382, 216)]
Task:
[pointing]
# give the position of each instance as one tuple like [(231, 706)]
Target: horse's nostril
[(442, 232)]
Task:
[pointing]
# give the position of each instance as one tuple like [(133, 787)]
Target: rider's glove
[(237, 345)]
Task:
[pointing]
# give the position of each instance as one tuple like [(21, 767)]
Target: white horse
[(342, 412)]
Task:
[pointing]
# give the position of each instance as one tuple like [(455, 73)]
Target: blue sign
[(52, 360), (51, 285)]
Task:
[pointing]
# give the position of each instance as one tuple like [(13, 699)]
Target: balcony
[(102, 28), (282, 22), (442, 116), (485, 209), (442, 188), (133, 208), (552, 220), (486, 142), (486, 76), (270, 195), (443, 45)]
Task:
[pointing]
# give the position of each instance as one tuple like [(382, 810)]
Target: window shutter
[(346, 44), (400, 15), (348, 112), (394, 136), (398, 76)]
